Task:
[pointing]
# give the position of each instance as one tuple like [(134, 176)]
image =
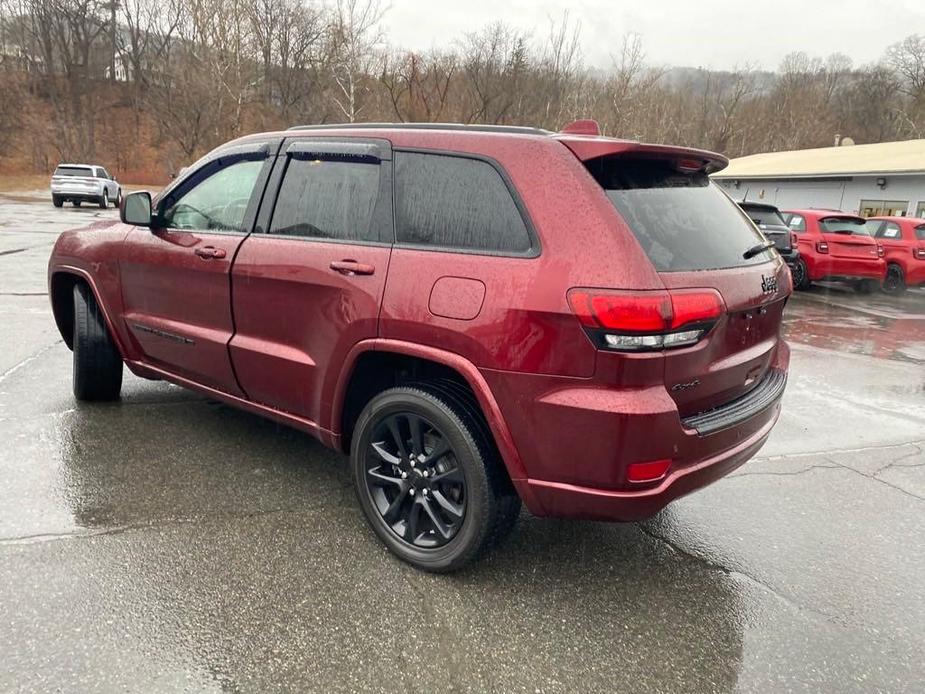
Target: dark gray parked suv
[(771, 223)]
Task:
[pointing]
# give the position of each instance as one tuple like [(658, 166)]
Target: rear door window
[(683, 221), (889, 230), (456, 202), (797, 223), (327, 199)]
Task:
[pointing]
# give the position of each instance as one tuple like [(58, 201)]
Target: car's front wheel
[(97, 363), (428, 477)]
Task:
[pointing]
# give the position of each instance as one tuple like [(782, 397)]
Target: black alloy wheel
[(428, 476), (895, 280), (799, 273), (414, 480)]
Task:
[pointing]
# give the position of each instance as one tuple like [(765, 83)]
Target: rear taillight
[(793, 239), (647, 472), (919, 253), (822, 247), (879, 251), (646, 320)]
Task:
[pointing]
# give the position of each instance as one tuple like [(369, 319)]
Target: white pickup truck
[(77, 183)]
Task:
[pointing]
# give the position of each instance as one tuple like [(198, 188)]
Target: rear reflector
[(647, 472)]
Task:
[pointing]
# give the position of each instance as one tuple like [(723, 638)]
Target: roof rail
[(511, 129)]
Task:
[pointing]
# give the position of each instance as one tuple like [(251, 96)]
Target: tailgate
[(735, 355)]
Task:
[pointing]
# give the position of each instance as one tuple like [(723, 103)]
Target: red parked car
[(903, 241), (479, 316), (835, 246)]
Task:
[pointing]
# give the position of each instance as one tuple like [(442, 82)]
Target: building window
[(883, 208), (920, 210)]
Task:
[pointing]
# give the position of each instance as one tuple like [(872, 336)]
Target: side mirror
[(136, 209)]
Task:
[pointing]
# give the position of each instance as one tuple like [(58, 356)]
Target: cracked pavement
[(169, 543)]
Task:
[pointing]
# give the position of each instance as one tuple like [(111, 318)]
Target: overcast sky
[(693, 33)]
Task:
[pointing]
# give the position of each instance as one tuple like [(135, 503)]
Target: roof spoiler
[(586, 148)]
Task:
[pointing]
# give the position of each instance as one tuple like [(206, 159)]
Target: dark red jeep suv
[(479, 315)]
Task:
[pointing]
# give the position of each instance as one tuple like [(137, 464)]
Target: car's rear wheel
[(800, 275), (428, 478), (104, 199), (895, 281), (97, 364), (76, 203), (56, 201)]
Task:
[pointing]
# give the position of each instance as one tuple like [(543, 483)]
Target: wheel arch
[(61, 294), (363, 375)]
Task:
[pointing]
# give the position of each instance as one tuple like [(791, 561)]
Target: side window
[(217, 202), (797, 223), (889, 230), (104, 174), (455, 202), (920, 232), (327, 199)]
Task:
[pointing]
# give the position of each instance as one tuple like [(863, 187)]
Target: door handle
[(352, 267), (209, 252)]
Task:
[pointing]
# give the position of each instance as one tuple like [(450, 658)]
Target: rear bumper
[(572, 501), (790, 257), (577, 438), (66, 192), (860, 269)]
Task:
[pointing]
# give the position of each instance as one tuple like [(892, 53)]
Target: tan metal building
[(882, 178)]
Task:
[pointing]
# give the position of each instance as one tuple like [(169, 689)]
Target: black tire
[(895, 281), (800, 275), (118, 201), (97, 364), (56, 201), (76, 203), (487, 501), (104, 199)]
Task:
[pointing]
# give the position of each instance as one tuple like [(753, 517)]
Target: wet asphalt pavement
[(169, 543)]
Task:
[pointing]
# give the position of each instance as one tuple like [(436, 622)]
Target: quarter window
[(218, 202), (327, 200), (889, 230), (797, 223), (456, 202)]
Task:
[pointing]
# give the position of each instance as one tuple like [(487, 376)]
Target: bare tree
[(357, 35)]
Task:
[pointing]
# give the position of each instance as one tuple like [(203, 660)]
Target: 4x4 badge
[(768, 284)]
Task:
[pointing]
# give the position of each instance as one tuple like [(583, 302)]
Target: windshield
[(854, 225), (74, 171), (681, 220)]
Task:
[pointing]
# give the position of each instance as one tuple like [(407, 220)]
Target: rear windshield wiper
[(755, 250)]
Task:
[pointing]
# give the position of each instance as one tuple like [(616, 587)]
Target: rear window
[(456, 202), (683, 221), (74, 171), (764, 216), (858, 227)]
